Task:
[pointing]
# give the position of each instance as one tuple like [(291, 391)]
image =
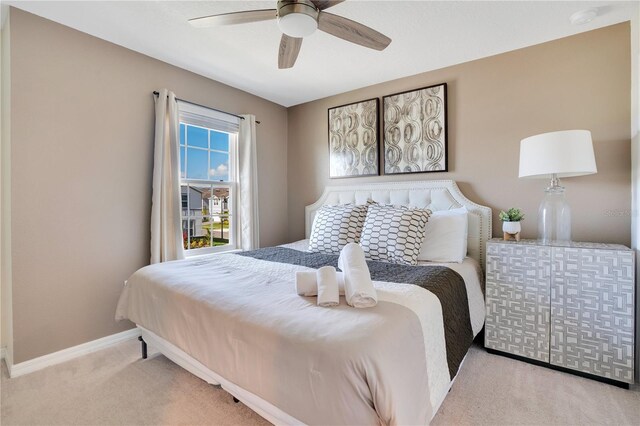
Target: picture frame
[(354, 139), (415, 131)]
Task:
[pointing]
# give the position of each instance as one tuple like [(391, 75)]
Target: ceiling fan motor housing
[(297, 18)]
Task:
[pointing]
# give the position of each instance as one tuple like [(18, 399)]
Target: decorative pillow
[(394, 234), (446, 236), (336, 226)]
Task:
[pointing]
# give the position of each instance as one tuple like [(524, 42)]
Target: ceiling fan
[(298, 19)]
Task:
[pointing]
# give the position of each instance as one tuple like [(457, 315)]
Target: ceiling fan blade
[(325, 4), (289, 49), (352, 31), (234, 18)]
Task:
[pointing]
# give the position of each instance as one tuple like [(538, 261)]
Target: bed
[(235, 320)]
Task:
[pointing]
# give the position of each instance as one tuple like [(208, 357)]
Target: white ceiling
[(426, 35)]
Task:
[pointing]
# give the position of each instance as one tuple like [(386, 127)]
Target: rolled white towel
[(307, 283), (340, 278), (328, 292), (358, 287)]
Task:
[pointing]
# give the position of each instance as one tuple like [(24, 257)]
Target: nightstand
[(566, 306)]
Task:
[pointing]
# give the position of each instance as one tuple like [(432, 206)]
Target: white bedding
[(241, 318), (469, 270)]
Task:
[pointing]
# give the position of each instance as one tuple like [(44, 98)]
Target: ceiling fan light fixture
[(297, 18), (297, 25)]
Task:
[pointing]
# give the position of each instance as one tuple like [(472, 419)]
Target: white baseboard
[(7, 357), (44, 361)]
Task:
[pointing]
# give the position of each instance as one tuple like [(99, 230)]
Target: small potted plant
[(511, 223)]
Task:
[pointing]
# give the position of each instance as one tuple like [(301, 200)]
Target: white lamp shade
[(565, 154)]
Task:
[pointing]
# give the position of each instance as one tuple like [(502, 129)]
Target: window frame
[(208, 119)]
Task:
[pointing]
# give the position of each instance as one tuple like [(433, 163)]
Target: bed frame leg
[(236, 400), (144, 347)]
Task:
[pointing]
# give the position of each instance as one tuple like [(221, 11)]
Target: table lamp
[(552, 156)]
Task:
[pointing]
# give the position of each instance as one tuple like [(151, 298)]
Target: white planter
[(511, 227)]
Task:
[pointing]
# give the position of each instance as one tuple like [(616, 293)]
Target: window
[(208, 142)]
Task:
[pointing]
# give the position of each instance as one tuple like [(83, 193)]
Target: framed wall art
[(415, 131), (353, 139)]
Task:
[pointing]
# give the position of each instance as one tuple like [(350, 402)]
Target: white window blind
[(206, 117)]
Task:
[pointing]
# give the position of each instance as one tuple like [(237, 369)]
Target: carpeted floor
[(115, 386)]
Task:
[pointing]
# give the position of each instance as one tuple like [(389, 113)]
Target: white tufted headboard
[(433, 194)]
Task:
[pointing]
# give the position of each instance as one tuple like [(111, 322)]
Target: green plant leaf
[(514, 214)]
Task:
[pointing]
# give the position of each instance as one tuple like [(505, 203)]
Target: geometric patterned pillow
[(336, 226), (394, 234)]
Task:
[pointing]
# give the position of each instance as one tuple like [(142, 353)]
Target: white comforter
[(469, 270), (242, 319)]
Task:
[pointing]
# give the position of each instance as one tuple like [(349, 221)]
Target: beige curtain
[(166, 229), (248, 184)]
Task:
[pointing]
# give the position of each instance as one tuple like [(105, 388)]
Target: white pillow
[(446, 236)]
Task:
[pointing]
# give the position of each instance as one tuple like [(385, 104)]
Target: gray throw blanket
[(446, 284)]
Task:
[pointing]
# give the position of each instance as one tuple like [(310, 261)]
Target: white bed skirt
[(266, 410), (263, 408)]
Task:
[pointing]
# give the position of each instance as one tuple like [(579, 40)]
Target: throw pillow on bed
[(394, 234), (446, 236), (336, 226)]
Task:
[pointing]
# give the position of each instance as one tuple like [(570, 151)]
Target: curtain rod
[(204, 106)]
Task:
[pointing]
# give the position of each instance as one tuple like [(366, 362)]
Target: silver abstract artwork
[(353, 139), (415, 131)]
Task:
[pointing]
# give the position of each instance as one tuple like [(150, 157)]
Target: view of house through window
[(207, 159)]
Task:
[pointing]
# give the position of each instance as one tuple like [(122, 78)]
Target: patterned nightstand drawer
[(517, 300), (592, 310), (571, 306)]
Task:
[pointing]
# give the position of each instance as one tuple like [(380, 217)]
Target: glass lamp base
[(554, 217)]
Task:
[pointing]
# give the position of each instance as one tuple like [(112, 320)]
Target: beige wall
[(81, 157), (82, 135), (6, 328), (635, 164), (572, 83)]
